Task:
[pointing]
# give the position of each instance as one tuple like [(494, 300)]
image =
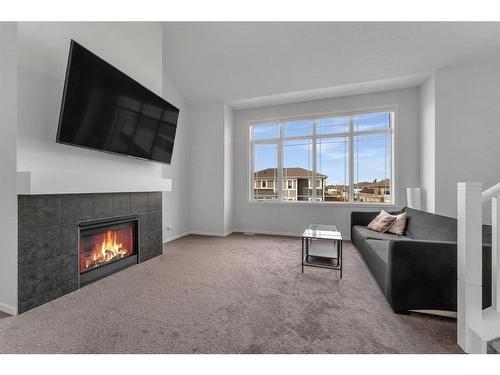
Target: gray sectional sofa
[(418, 270)]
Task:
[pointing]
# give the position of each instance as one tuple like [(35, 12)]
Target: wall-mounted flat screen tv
[(104, 109)]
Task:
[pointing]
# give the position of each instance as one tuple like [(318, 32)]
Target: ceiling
[(241, 61)]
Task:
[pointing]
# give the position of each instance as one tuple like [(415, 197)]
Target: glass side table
[(322, 247)]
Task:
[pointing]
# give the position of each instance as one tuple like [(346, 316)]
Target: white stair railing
[(475, 326)]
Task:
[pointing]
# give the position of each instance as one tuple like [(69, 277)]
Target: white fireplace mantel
[(31, 183)]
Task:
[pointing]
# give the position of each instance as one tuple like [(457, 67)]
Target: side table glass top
[(322, 231)]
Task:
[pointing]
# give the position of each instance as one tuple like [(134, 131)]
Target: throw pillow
[(382, 222), (398, 227)]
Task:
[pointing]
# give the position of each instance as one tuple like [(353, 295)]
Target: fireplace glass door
[(103, 244)]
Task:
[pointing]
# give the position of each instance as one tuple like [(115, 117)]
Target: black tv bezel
[(63, 102)]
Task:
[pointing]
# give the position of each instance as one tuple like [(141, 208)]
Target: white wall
[(467, 131), (427, 120), (8, 192), (211, 168), (135, 48), (290, 218), (177, 203), (228, 169), (207, 145)]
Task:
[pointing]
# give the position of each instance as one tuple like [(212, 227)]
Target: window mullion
[(314, 162), (279, 171), (252, 172), (351, 160)]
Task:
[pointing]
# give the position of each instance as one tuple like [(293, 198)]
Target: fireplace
[(54, 229), (106, 247)]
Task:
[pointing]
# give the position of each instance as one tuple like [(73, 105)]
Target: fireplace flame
[(109, 249)]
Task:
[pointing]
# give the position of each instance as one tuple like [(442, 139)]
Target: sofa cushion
[(366, 233), (423, 225), (380, 248)]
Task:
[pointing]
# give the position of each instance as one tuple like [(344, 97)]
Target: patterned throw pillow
[(382, 222), (398, 227)]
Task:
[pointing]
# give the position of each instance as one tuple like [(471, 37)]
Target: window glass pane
[(265, 131), (265, 163), (372, 121), (297, 166), (298, 128), (332, 164), (372, 168), (332, 125)]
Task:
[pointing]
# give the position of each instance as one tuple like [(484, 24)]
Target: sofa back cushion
[(423, 225)]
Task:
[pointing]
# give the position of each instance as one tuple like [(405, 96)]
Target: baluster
[(469, 260)]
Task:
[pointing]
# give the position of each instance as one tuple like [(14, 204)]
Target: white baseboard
[(276, 233), (272, 233), (195, 232), (8, 309), (214, 234), (176, 236), (225, 234)]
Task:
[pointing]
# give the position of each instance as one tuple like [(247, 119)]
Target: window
[(265, 161), (338, 158)]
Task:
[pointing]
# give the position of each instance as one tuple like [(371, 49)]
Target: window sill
[(322, 204)]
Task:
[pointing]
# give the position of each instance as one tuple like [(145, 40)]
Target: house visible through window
[(342, 158)]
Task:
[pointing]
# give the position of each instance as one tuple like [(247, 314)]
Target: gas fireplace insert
[(107, 246)]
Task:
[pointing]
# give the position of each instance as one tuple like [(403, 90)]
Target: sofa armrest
[(362, 217), (422, 275)]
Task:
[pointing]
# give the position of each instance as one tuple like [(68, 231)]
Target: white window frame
[(314, 137)]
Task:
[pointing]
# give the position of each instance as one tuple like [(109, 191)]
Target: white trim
[(350, 156), (394, 170), (321, 136), (324, 204), (267, 232), (242, 231), (490, 192), (315, 115), (212, 234), (175, 236), (278, 233), (351, 134), (196, 233), (33, 182), (314, 147), (8, 309)]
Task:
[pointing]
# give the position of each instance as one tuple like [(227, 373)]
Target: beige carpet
[(240, 294)]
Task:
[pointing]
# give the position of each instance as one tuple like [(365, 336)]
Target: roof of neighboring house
[(290, 173)]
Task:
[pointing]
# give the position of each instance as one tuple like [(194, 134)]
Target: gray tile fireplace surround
[(48, 265)]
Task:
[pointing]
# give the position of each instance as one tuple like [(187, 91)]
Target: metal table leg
[(340, 257), (302, 255)]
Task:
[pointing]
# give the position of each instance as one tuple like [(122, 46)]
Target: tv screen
[(104, 109)]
